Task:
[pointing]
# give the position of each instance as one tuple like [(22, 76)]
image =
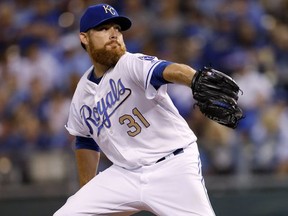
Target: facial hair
[(106, 57)]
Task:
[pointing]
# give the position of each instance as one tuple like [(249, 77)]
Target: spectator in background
[(56, 109), (282, 144), (279, 44), (35, 63), (71, 59), (257, 88), (139, 34)]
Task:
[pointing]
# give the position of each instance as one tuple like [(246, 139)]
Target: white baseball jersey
[(133, 123)]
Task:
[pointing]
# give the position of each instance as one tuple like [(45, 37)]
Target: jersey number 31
[(131, 122)]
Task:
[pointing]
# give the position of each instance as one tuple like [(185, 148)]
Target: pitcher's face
[(104, 44)]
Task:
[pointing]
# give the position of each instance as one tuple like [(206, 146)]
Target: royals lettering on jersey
[(99, 115), (142, 123)]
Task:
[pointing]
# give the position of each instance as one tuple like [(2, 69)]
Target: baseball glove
[(216, 95)]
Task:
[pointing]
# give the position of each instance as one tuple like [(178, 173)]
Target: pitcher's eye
[(118, 28), (101, 28)]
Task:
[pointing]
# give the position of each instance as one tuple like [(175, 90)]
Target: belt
[(176, 152)]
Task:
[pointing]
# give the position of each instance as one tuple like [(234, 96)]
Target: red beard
[(106, 57)]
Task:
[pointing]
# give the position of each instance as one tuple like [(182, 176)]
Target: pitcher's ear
[(83, 38)]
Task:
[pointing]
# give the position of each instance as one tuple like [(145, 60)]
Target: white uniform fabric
[(172, 187), (133, 124)]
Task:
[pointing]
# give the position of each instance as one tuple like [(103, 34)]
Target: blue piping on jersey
[(157, 79), (146, 82)]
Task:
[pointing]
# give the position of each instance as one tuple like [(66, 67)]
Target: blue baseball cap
[(100, 14)]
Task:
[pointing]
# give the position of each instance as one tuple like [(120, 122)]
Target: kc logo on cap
[(110, 9), (100, 14)]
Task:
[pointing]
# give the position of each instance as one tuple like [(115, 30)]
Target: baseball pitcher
[(122, 108)]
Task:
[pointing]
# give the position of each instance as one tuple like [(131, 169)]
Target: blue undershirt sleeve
[(86, 143), (157, 77)]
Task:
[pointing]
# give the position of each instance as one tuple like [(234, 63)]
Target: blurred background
[(41, 61)]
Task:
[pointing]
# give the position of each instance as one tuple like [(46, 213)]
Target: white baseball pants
[(172, 187)]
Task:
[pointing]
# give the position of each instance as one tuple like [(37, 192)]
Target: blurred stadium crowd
[(41, 61)]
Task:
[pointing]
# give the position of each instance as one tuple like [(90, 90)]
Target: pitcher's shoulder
[(138, 57)]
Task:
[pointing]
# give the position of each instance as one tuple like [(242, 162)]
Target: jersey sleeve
[(86, 143), (75, 124), (141, 68), (157, 79)]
